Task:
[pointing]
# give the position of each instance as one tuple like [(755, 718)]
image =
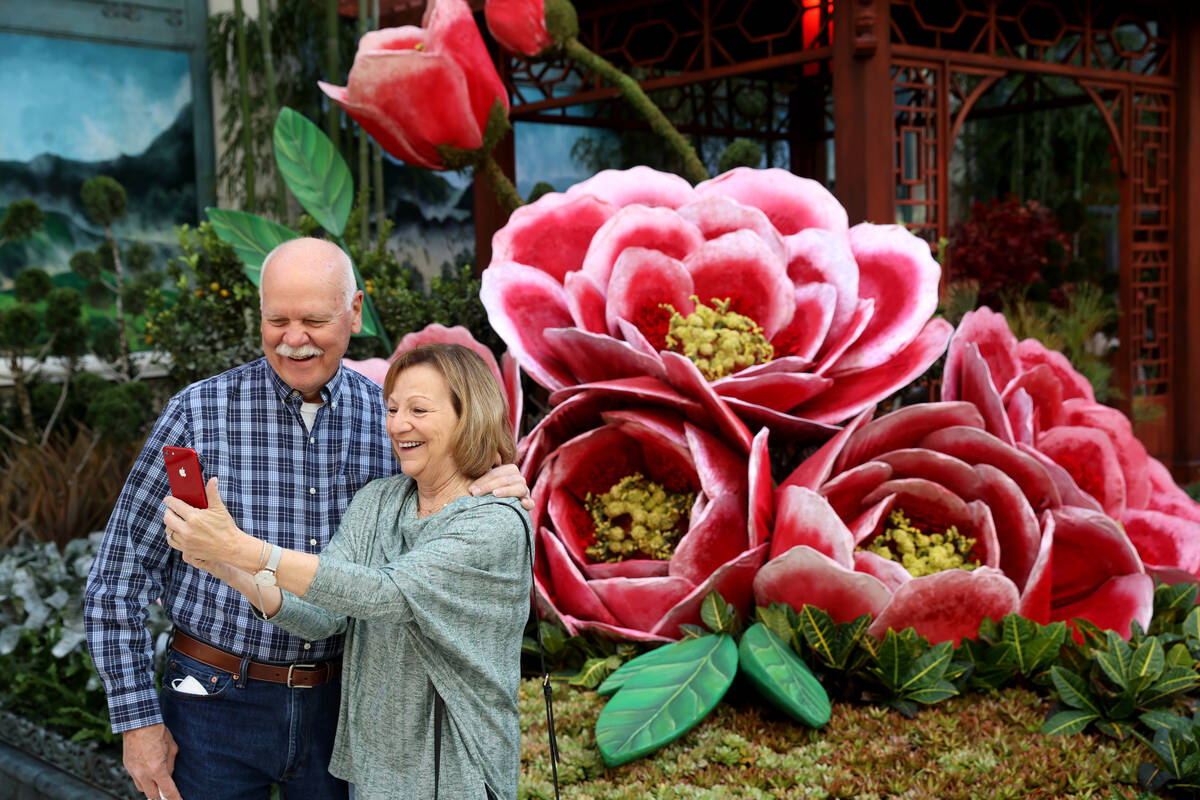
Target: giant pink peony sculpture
[(924, 519), (1032, 397), (749, 288), (640, 514)]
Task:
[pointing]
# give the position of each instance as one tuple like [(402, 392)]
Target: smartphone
[(183, 471)]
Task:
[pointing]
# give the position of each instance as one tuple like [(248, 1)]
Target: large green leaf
[(719, 616), (251, 236), (1172, 682), (659, 705), (1115, 661), (1065, 723), (1191, 625), (1148, 660), (782, 677), (928, 669), (314, 170), (632, 667), (1073, 690)]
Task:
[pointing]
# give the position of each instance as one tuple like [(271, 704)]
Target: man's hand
[(503, 481), (203, 534), (150, 760)]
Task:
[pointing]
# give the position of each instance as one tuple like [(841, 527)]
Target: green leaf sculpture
[(632, 667), (782, 677), (314, 170), (251, 236), (663, 702)]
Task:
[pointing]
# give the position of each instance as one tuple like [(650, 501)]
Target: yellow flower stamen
[(923, 553), (718, 341), (637, 518)]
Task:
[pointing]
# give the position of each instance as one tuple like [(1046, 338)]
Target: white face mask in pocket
[(188, 685)]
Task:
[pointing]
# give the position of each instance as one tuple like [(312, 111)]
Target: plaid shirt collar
[(288, 395)]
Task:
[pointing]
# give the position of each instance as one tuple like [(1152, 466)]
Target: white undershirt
[(308, 413)]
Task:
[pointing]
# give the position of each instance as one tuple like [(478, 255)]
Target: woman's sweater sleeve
[(301, 617)]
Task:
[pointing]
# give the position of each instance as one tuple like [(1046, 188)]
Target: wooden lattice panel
[(1091, 34)]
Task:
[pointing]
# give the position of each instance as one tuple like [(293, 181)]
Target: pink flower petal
[(1019, 408), (791, 203), (1017, 525), (642, 283), (440, 334), (816, 469), (905, 427), (1032, 352), (1131, 453), (847, 491), (373, 368), (870, 522), (781, 391), (852, 393), (1090, 458), (686, 378), (948, 606), (891, 574), (804, 576), (975, 446), (1115, 604), (761, 291), (552, 233), (594, 357), (521, 303), (1043, 392), (1064, 484), (761, 507), (585, 301), (518, 25), (790, 427), (931, 503), (898, 271), (976, 387), (1039, 584), (716, 535), (803, 517), (733, 580), (990, 333), (810, 323), (1089, 548), (640, 603), (515, 398), (917, 462), (720, 469), (1164, 540), (987, 545), (820, 256), (572, 594), (657, 229), (640, 185), (837, 344), (717, 215)]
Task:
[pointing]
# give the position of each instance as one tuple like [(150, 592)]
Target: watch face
[(264, 578)]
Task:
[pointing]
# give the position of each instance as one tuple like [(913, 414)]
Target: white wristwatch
[(266, 575)]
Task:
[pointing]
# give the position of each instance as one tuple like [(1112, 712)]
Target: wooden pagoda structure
[(890, 83)]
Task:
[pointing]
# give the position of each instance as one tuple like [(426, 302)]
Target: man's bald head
[(324, 261)]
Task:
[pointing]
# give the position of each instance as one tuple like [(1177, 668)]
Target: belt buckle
[(291, 669)]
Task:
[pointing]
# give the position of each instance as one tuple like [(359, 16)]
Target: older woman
[(430, 584)]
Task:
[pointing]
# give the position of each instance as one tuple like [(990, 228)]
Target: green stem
[(501, 186), (264, 27), (643, 105), (244, 90), (332, 73)]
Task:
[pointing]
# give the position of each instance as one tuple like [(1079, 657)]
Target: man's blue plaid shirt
[(281, 483)]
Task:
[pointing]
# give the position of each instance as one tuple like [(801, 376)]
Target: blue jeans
[(246, 735)]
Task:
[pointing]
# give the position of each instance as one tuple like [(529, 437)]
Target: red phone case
[(183, 471)]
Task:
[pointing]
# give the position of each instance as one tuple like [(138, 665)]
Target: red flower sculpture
[(748, 289), (414, 89), (1032, 397), (507, 373), (924, 519), (639, 515), (518, 25)]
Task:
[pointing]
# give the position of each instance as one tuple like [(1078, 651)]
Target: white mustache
[(304, 351)]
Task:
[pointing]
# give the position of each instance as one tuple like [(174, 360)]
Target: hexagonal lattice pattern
[(940, 15), (1129, 36), (645, 38), (761, 21), (1041, 23)]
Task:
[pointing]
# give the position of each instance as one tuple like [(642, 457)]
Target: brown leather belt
[(294, 676)]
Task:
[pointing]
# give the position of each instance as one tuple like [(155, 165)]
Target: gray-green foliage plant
[(21, 220), (49, 677)]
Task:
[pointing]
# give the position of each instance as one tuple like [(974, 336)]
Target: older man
[(292, 436)]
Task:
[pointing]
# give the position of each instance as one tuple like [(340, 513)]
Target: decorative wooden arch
[(915, 69)]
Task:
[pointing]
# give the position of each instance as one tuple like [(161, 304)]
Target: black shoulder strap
[(546, 688)]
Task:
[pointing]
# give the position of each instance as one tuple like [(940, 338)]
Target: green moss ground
[(977, 746)]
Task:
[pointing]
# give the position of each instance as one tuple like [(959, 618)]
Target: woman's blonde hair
[(483, 429)]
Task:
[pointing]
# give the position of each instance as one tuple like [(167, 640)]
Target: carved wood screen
[(945, 55)]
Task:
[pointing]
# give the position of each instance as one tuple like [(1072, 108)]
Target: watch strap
[(273, 558)]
